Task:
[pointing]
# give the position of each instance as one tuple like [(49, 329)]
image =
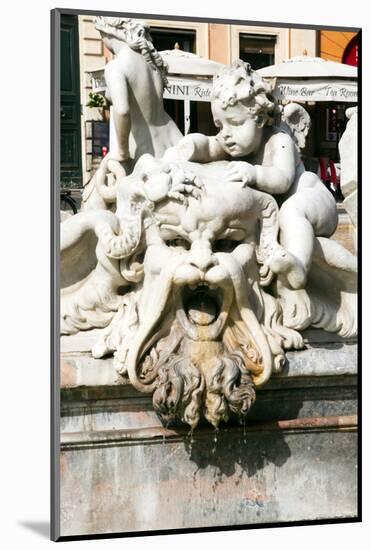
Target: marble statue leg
[(310, 212)]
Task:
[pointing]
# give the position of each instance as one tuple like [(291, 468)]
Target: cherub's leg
[(291, 262), (310, 212), (296, 237)]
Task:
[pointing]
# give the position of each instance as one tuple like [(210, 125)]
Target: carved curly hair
[(239, 83), (142, 43)]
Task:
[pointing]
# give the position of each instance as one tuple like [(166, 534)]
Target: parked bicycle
[(67, 202)]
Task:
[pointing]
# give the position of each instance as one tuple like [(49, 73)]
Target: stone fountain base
[(295, 459)]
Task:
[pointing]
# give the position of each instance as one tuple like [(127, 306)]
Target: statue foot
[(285, 265), (100, 349), (296, 307)]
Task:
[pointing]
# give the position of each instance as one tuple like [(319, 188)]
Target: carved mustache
[(227, 271)]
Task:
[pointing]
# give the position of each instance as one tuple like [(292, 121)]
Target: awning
[(315, 90), (305, 66), (186, 63), (192, 89), (305, 78), (189, 76)]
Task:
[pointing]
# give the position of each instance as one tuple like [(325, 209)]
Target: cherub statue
[(135, 83), (250, 129)]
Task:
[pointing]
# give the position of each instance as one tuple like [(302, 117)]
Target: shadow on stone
[(232, 447), (330, 345), (42, 528), (250, 445)]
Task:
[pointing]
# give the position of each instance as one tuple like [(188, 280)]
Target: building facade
[(259, 45)]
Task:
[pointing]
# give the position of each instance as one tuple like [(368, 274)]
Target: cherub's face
[(239, 132)]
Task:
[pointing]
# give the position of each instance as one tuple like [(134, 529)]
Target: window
[(257, 49), (164, 39)]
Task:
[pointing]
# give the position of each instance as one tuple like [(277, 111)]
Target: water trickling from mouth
[(215, 440), (243, 424), (164, 433), (191, 441)]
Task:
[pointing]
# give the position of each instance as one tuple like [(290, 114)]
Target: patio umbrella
[(186, 63), (189, 79), (305, 78), (189, 75)]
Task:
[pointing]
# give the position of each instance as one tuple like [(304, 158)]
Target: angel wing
[(298, 120)]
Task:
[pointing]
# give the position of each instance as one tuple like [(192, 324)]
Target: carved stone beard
[(202, 377)]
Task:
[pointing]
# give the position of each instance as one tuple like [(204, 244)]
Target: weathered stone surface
[(338, 359), (298, 441), (68, 374), (244, 477), (88, 412)]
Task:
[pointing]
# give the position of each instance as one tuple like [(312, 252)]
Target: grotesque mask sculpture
[(181, 255), (179, 277)]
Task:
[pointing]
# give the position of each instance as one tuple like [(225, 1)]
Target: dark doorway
[(70, 104), (184, 40)]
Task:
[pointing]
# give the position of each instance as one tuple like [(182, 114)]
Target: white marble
[(199, 280), (349, 165), (135, 81)]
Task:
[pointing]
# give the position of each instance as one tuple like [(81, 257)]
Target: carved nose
[(202, 259), (225, 133)]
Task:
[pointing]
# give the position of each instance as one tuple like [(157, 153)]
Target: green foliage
[(95, 100)]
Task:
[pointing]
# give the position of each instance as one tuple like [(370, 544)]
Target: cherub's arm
[(275, 177), (280, 174), (196, 148), (119, 95)]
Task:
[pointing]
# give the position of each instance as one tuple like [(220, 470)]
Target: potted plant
[(98, 101)]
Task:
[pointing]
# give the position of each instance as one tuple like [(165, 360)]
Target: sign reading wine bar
[(316, 90)]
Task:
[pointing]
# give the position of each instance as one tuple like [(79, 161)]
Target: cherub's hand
[(157, 187), (183, 151), (173, 182), (241, 171), (183, 183)]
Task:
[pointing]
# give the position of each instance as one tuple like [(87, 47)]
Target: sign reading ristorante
[(194, 90)]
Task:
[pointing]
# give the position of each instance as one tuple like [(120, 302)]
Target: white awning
[(309, 67), (316, 90), (192, 89), (186, 63)]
